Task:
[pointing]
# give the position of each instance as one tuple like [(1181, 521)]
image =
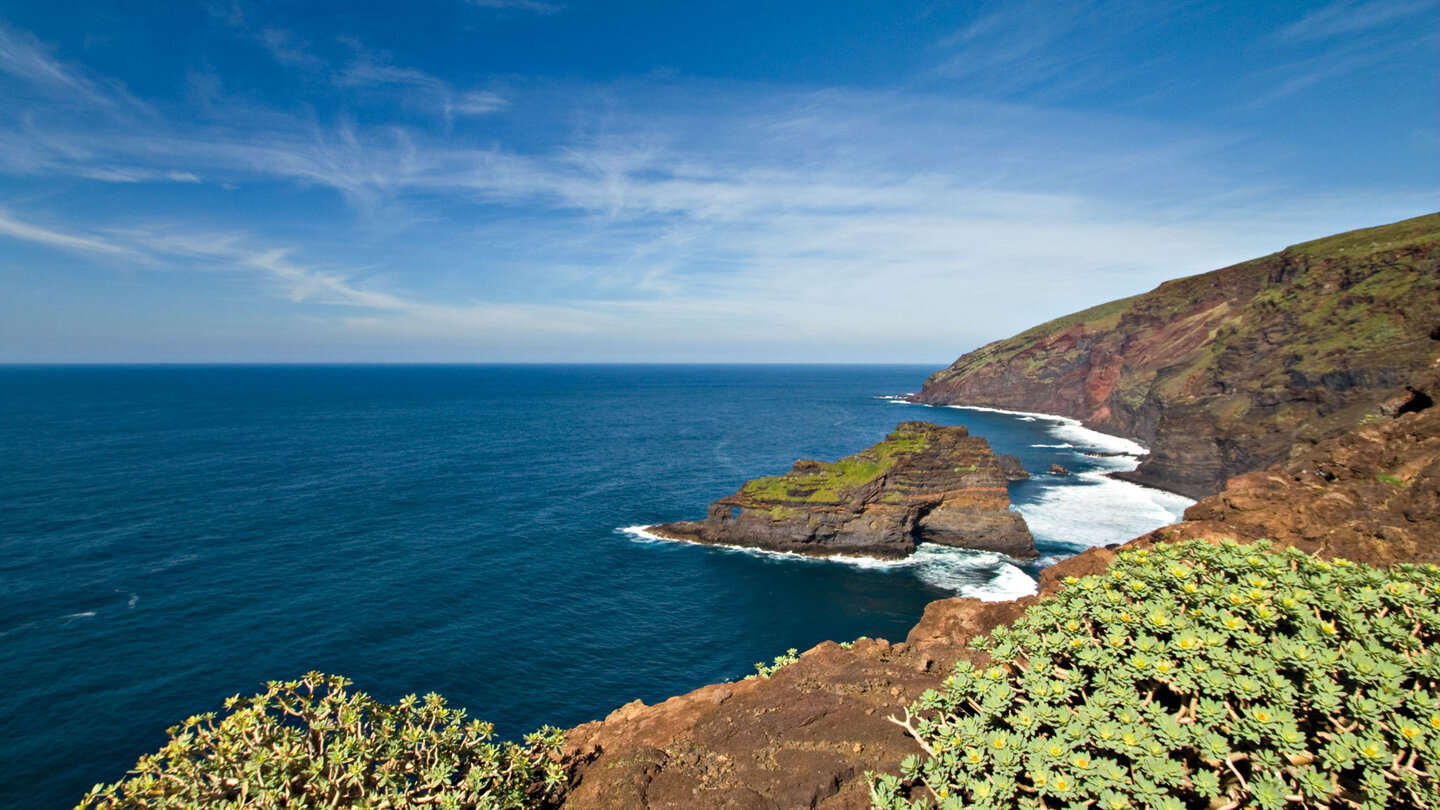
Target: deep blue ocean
[(171, 536)]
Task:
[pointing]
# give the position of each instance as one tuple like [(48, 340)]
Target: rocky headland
[(923, 483), (806, 736), (1233, 370), (1339, 463)]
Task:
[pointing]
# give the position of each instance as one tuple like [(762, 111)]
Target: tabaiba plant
[(310, 744), (764, 671), (1194, 676)]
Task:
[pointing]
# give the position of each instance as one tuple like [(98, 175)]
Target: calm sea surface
[(171, 536)]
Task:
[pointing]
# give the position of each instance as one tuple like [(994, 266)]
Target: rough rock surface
[(1372, 494), (1225, 372), (924, 483), (802, 738), (1013, 467)]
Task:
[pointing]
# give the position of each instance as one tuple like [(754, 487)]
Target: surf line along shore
[(1097, 505), (1065, 516)]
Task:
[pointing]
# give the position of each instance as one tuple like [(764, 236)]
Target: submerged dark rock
[(1013, 468), (924, 483)]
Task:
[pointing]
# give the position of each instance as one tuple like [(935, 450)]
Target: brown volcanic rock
[(1224, 372), (802, 738), (805, 737), (1371, 495), (924, 483)]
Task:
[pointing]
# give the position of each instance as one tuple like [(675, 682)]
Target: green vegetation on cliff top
[(312, 743), (1194, 675), (829, 482), (1094, 319), (1330, 301)]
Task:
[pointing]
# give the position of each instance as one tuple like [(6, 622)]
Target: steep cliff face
[(924, 483), (1371, 494), (1226, 372)]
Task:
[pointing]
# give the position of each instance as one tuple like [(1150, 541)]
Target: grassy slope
[(1334, 316), (827, 482), (1297, 343)]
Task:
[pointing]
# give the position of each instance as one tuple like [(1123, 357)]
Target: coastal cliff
[(806, 736), (1226, 372), (923, 483), (1311, 376)]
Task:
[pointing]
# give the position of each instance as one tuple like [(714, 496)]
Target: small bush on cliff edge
[(311, 744), (1193, 676)]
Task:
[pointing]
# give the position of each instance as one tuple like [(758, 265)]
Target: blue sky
[(572, 180)]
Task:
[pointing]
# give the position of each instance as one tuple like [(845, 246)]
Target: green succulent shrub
[(762, 670), (1194, 676), (311, 744)]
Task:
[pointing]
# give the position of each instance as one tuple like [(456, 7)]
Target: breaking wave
[(1070, 430), (980, 574), (1095, 510)]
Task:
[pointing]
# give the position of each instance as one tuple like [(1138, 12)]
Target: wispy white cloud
[(363, 71), (1352, 16), (22, 56), (537, 6), (674, 213), (287, 48), (479, 102), (160, 248), (29, 232), (1344, 40), (1047, 50)]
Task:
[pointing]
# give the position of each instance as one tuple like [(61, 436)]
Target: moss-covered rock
[(923, 483)]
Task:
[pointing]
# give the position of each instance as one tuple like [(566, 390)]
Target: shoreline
[(934, 564), (1138, 450)]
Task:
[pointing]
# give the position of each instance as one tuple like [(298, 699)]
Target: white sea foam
[(1070, 430), (16, 629), (1092, 509), (983, 575)]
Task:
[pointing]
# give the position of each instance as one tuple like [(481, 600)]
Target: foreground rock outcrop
[(1372, 494), (1225, 372), (923, 483)]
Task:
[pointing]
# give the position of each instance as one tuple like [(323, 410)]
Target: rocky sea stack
[(923, 483)]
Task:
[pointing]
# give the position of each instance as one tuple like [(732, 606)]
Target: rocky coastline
[(923, 484), (1221, 375), (806, 736)]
